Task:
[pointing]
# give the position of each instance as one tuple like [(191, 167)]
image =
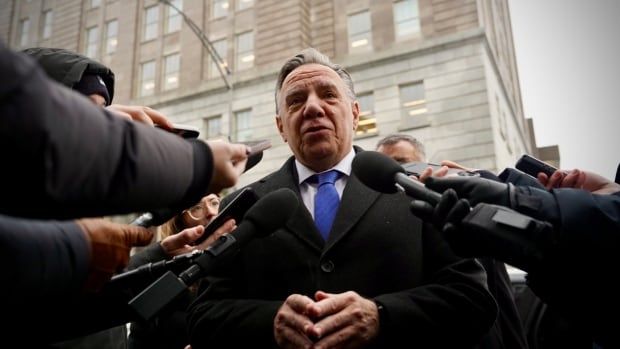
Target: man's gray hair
[(312, 56), (395, 138)]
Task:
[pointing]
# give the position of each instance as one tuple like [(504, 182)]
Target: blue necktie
[(326, 202)]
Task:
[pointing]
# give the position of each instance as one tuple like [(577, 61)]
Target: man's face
[(316, 118), (402, 151)]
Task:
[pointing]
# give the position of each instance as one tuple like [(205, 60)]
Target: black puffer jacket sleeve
[(42, 261), (63, 157)]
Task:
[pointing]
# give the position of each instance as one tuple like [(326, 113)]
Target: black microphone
[(147, 273), (259, 221), (381, 173)]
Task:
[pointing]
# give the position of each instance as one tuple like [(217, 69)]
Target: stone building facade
[(443, 71)]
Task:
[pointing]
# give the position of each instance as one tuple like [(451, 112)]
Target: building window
[(243, 4), (173, 18), (406, 18), (245, 50), (220, 8), (24, 32), (48, 17), (147, 79), (221, 47), (213, 127), (360, 33), (412, 99), (92, 42), (172, 65), (95, 3), (368, 122), (111, 36), (243, 124), (151, 19)]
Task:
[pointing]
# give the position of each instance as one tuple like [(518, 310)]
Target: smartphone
[(236, 209), (185, 131), (416, 168), (533, 166), (255, 154)]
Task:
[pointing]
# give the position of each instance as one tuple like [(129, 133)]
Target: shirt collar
[(344, 167)]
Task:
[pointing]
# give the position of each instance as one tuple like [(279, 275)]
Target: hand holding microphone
[(110, 244), (493, 228), (487, 230), (475, 189), (259, 221)]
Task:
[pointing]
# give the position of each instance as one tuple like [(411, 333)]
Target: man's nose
[(313, 107)]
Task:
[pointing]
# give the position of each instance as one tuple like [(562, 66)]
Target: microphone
[(259, 221), (146, 273), (155, 217), (381, 173)]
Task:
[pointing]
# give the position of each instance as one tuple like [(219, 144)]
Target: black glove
[(444, 213), (446, 217), (488, 231), (475, 189)]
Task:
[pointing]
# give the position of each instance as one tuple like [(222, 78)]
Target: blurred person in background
[(169, 330)]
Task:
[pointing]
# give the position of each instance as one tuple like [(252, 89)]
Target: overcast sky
[(568, 57)]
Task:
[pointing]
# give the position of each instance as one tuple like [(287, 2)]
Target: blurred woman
[(168, 330)]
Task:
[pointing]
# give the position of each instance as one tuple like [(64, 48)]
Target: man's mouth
[(315, 129)]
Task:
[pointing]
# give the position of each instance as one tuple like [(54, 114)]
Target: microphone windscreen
[(376, 171), (155, 217), (272, 210)]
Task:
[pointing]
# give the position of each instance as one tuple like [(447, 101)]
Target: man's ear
[(355, 108), (280, 128)]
